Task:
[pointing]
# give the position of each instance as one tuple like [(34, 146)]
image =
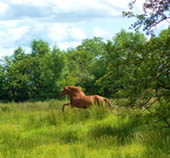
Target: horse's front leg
[(64, 106)]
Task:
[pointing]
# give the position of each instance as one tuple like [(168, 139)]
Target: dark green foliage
[(39, 48), (32, 76), (123, 56)]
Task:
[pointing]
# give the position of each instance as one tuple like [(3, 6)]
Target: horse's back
[(97, 99)]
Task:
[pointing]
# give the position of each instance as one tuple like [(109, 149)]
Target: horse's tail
[(109, 103)]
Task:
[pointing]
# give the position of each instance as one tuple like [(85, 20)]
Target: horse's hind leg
[(64, 106)]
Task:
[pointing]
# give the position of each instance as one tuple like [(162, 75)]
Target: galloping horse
[(80, 100)]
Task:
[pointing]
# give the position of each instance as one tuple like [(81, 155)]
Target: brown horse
[(80, 100)]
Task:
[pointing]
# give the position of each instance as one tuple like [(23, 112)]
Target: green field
[(42, 130)]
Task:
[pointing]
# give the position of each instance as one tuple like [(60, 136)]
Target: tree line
[(128, 65)]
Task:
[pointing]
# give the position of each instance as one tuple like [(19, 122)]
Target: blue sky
[(64, 23)]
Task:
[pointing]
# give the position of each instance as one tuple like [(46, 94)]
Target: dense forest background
[(128, 66)]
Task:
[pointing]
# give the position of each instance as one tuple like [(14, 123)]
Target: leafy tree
[(82, 63), (51, 66), (17, 77), (122, 58), (32, 76), (39, 47), (153, 71), (154, 12), (141, 73), (3, 94), (156, 78), (46, 70)]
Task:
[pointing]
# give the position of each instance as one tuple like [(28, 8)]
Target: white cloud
[(29, 2), (80, 5), (124, 5), (66, 45), (65, 35), (139, 6), (57, 32), (3, 7), (119, 3), (17, 33), (6, 51), (99, 32), (12, 36), (16, 1), (104, 33), (161, 26), (59, 10), (77, 33), (8, 24), (65, 5)]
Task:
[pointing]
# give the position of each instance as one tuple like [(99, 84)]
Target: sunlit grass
[(42, 130)]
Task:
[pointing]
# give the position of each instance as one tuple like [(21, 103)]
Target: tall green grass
[(42, 130)]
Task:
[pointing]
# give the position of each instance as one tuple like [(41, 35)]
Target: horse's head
[(72, 90), (65, 91)]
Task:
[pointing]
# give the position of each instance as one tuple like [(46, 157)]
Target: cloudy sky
[(63, 23)]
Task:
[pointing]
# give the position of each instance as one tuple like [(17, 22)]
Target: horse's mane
[(76, 89)]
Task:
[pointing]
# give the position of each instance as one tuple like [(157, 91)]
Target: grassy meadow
[(42, 130)]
